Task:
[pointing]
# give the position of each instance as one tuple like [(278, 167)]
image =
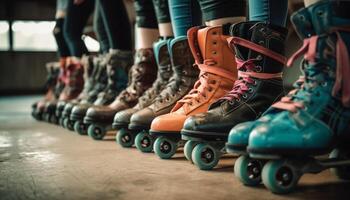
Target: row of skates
[(220, 91)]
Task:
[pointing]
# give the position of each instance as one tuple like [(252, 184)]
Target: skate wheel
[(164, 147), (248, 170), (65, 122), (70, 125), (125, 138), (204, 156), (80, 128), (60, 121), (188, 148), (342, 172), (52, 119), (279, 177), (96, 132), (144, 142)]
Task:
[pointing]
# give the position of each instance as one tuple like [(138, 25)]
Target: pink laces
[(309, 49), (198, 93), (246, 68)]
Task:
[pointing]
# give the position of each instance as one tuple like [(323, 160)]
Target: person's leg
[(219, 12), (161, 8), (63, 50), (273, 12), (100, 29), (184, 15), (77, 16), (146, 24), (117, 24)]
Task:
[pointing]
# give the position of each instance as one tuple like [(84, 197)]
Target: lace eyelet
[(238, 100), (244, 96), (324, 84), (258, 68), (255, 83), (231, 102), (250, 90)]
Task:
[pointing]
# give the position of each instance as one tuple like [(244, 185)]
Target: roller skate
[(124, 136), (314, 119), (99, 95), (85, 96), (53, 70), (258, 47), (49, 107), (116, 76), (141, 76), (218, 72)]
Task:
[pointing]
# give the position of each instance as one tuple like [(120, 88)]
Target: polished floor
[(44, 161)]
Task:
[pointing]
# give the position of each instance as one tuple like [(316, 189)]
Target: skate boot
[(111, 80), (49, 108), (125, 137), (74, 85), (141, 76), (259, 85), (53, 70), (218, 72), (313, 119), (84, 96)]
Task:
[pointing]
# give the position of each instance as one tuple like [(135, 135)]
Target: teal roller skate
[(313, 119)]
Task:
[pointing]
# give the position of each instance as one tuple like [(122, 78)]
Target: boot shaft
[(141, 77), (118, 63), (266, 36), (209, 45)]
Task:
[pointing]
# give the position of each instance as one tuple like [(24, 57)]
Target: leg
[(117, 24), (77, 16), (184, 15), (146, 24), (100, 29), (221, 12), (273, 12)]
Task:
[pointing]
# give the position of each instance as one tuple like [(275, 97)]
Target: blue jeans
[(271, 11)]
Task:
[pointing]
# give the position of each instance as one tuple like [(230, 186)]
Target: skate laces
[(246, 69), (309, 49), (203, 85)]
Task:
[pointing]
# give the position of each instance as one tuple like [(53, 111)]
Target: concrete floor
[(43, 161)]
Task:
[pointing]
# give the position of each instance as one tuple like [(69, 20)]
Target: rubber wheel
[(70, 125), (96, 132), (60, 121), (188, 148), (164, 147), (342, 172), (80, 128), (125, 138), (248, 170), (52, 119), (205, 157), (279, 177), (65, 122), (144, 142)]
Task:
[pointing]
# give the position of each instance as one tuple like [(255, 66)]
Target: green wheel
[(164, 147), (96, 132), (125, 138), (144, 142), (60, 121), (70, 125), (205, 157), (65, 122), (80, 128), (248, 170), (52, 119), (342, 172), (188, 148), (279, 177)]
